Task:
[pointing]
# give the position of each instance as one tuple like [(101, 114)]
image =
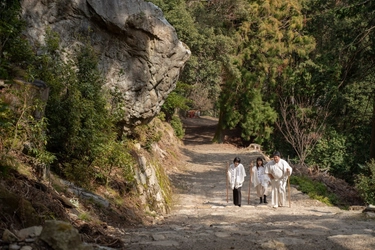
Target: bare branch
[(302, 124)]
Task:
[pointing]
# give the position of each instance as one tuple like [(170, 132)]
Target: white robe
[(236, 175), (280, 174), (260, 180), (258, 177)]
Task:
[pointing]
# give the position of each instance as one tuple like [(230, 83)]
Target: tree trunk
[(372, 146), (219, 133)]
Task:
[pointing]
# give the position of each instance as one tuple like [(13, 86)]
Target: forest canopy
[(292, 75)]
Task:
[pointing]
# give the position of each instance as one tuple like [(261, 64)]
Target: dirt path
[(203, 219)]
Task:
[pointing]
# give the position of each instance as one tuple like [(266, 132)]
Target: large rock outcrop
[(139, 50)]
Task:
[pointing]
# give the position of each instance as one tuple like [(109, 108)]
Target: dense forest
[(291, 75)]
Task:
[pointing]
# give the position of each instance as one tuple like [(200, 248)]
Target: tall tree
[(190, 19), (345, 34), (78, 121), (270, 43)]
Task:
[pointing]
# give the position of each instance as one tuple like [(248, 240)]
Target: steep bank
[(101, 213)]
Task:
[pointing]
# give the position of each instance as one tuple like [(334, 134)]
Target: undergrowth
[(365, 182), (315, 190)]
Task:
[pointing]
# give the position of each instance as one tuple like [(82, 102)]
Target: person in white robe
[(278, 171), (236, 177), (260, 180)]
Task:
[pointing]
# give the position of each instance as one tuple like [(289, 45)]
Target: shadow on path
[(199, 131)]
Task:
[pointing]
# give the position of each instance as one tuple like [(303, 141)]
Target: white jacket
[(278, 170), (263, 179), (236, 175)]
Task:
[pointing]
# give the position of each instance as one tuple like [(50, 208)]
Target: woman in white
[(236, 177), (279, 171), (260, 180)]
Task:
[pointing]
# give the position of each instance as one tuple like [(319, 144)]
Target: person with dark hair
[(236, 177), (260, 180), (278, 171)]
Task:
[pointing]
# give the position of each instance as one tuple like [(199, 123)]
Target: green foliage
[(177, 126), (81, 122), (270, 44), (164, 183), (175, 101), (7, 162), (15, 52), (80, 127), (255, 52), (5, 123), (315, 190), (85, 217), (246, 55), (114, 156), (38, 140), (365, 183), (329, 154), (147, 134), (354, 106), (200, 29), (20, 127), (161, 116), (20, 100), (10, 24), (117, 105), (345, 82), (257, 119)]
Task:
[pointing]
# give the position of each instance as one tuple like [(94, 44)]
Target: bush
[(329, 154), (15, 51), (365, 183), (114, 157), (175, 101), (314, 190), (146, 135), (177, 126)]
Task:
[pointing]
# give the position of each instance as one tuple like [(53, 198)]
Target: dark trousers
[(237, 196)]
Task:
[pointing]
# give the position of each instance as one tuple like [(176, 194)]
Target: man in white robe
[(236, 177), (279, 171)]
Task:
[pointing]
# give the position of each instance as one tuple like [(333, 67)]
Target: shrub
[(147, 134), (314, 190), (175, 101), (15, 51), (329, 154), (114, 156), (177, 126), (365, 183)]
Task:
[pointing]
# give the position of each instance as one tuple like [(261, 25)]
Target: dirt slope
[(204, 218)]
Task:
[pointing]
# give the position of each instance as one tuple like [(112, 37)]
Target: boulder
[(140, 53)]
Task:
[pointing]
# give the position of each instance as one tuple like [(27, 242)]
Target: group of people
[(275, 172)]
